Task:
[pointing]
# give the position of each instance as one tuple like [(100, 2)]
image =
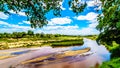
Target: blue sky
[(69, 23)]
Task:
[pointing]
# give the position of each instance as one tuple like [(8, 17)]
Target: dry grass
[(5, 57)]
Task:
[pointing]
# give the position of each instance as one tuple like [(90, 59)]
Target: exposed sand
[(100, 55)]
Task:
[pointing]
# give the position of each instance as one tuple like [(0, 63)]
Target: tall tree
[(109, 22)]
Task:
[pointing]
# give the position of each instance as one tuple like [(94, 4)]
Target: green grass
[(6, 43), (114, 49), (92, 37), (113, 63), (65, 43)]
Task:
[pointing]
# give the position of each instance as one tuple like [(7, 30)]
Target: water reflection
[(100, 54), (99, 50)]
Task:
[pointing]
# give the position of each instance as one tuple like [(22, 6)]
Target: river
[(100, 54)]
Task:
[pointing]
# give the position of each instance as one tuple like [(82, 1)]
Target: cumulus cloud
[(3, 16), (53, 29), (93, 25), (97, 4), (15, 26), (83, 31), (19, 13), (60, 27), (26, 22), (90, 16), (69, 30), (3, 23), (60, 21), (74, 30), (92, 3), (91, 28)]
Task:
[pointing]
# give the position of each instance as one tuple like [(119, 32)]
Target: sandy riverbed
[(100, 54)]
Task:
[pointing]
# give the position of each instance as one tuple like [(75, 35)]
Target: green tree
[(1, 35), (42, 35), (23, 34), (37, 35), (19, 34), (31, 33), (36, 10), (15, 35), (109, 27), (109, 22)]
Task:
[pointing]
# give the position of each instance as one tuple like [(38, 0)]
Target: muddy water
[(100, 54)]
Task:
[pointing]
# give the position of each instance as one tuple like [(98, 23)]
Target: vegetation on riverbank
[(92, 37), (68, 42), (30, 39), (115, 56), (114, 49), (113, 63)]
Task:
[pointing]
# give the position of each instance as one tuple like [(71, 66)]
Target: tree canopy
[(36, 10), (109, 22)]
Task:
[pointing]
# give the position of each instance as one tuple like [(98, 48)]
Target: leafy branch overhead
[(36, 10), (109, 22)]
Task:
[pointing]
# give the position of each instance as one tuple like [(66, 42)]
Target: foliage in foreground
[(109, 22), (36, 10), (115, 57), (113, 63)]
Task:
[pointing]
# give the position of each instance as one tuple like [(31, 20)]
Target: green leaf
[(118, 25)]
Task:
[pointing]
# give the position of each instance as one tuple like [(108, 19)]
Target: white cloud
[(61, 3), (75, 30), (19, 13), (60, 27), (27, 22), (89, 16), (92, 20), (70, 30), (54, 29), (24, 22), (3, 23), (3, 16), (20, 23), (15, 26), (93, 25), (83, 31), (92, 3), (60, 21)]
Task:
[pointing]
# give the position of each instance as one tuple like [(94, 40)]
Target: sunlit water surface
[(100, 54)]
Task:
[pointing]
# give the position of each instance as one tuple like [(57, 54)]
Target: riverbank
[(99, 54), (62, 41), (6, 63)]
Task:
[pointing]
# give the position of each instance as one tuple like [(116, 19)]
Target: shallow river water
[(100, 54)]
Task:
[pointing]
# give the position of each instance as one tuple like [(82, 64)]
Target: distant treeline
[(27, 34), (31, 34)]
